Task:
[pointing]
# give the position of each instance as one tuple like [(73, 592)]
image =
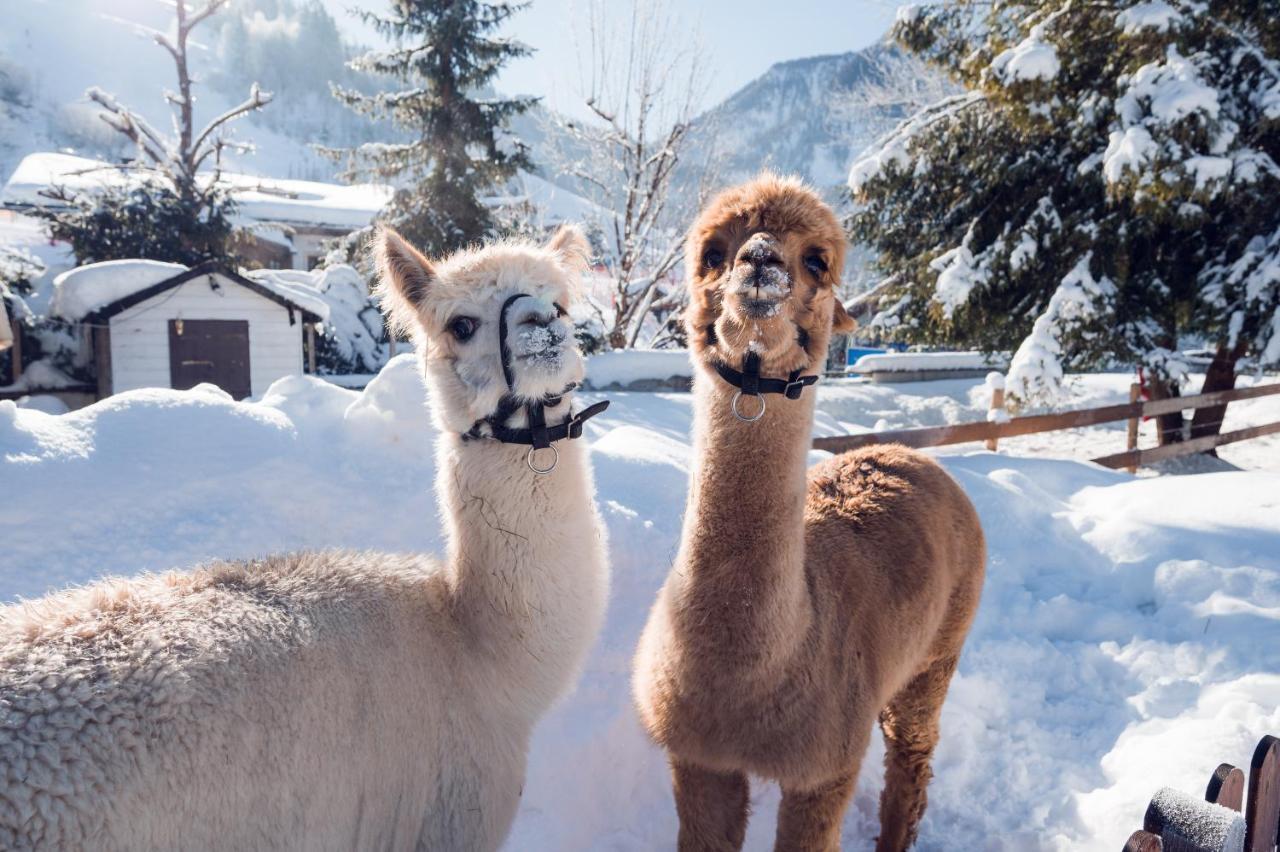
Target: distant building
[(289, 220), (143, 323)]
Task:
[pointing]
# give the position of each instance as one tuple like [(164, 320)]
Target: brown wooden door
[(214, 351)]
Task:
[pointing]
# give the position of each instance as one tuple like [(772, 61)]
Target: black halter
[(750, 383), (538, 435)]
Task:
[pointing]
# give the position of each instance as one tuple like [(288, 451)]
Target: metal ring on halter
[(737, 396), (555, 460)]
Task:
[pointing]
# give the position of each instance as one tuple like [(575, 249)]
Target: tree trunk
[(1168, 426), (1221, 375)]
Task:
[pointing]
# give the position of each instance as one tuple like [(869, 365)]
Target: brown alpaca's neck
[(742, 554)]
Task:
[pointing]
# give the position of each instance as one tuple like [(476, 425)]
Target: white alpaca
[(334, 700)]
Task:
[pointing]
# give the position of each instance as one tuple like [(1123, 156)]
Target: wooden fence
[(1205, 828), (993, 430)]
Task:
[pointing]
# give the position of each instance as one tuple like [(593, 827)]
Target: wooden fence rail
[(1205, 827), (991, 431)]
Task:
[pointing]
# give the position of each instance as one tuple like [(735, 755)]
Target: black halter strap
[(538, 435), (751, 383)]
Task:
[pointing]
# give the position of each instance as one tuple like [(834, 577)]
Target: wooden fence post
[(1143, 841), (1262, 810), (996, 412), (1131, 444), (1226, 787)]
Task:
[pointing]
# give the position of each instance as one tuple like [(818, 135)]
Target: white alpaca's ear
[(571, 244), (404, 278)]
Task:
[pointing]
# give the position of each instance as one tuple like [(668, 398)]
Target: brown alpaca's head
[(763, 262), (453, 309)]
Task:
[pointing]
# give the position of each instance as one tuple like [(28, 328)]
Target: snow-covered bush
[(1104, 189), (354, 338), (49, 348)]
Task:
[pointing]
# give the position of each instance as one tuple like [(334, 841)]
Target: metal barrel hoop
[(736, 413)]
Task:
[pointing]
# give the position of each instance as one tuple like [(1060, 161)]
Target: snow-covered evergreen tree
[(446, 54), (1104, 189)]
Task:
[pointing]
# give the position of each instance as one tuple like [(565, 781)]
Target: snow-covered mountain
[(812, 116)]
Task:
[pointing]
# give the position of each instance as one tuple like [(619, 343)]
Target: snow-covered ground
[(1129, 635)]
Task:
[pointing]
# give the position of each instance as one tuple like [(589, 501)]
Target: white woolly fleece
[(314, 701)]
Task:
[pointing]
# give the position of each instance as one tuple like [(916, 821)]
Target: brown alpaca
[(798, 610)]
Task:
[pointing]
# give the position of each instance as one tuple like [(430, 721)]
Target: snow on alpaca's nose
[(760, 280), (541, 344)]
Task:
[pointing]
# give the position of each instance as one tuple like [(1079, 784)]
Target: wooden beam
[(962, 433), (995, 414), (1131, 438), (311, 348), (1156, 407), (1134, 458)]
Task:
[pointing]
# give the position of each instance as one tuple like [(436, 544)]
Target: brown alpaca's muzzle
[(759, 282)]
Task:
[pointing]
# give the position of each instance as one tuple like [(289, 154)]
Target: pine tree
[(1102, 192), (446, 55)]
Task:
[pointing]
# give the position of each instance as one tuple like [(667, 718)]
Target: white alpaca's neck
[(526, 553)]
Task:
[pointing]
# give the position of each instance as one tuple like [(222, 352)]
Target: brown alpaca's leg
[(712, 807), (910, 725), (809, 820)]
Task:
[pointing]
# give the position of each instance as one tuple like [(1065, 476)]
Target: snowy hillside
[(51, 51), (1127, 636), (812, 116)]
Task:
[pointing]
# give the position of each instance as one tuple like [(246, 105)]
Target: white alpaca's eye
[(462, 328)]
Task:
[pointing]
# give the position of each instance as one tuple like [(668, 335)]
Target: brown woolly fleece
[(802, 606)]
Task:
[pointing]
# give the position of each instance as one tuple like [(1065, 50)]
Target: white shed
[(151, 324)]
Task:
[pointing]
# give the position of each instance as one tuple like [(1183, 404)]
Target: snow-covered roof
[(911, 361), (81, 291), (292, 202), (87, 289)]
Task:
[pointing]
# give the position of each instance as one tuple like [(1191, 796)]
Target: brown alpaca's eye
[(815, 264), (462, 328), (712, 258)]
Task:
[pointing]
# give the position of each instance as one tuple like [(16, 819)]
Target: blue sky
[(742, 39)]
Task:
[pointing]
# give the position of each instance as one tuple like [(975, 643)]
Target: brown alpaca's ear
[(841, 322), (404, 276)]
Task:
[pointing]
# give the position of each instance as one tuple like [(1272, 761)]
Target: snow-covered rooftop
[(85, 289), (294, 202), (81, 291)]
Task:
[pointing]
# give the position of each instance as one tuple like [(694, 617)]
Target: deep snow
[(1127, 637)]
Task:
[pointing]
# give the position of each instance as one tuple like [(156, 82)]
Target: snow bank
[(638, 367), (902, 362), (1127, 639), (81, 291)]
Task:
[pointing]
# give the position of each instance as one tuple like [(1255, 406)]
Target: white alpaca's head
[(453, 306)]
